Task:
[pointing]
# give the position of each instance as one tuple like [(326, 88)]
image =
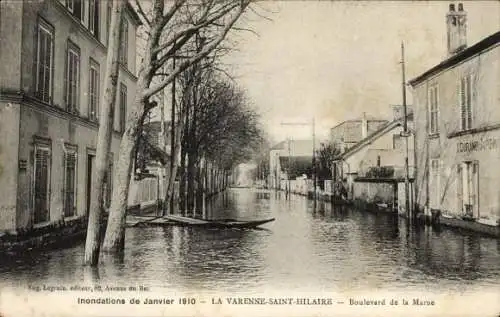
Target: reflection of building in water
[(457, 118)]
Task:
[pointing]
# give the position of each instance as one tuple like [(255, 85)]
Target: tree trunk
[(104, 135), (115, 231)]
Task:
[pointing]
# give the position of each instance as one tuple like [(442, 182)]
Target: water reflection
[(308, 247)]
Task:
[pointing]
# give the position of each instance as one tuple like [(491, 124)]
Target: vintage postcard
[(249, 158)]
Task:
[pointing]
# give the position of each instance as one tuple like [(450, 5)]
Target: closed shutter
[(475, 188), (463, 110), (67, 76), (459, 189), (468, 100), (69, 184), (41, 186)]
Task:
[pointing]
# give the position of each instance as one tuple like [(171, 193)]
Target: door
[(469, 189), (90, 171)]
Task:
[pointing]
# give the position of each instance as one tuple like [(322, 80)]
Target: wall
[(367, 155), (53, 121), (9, 140), (374, 192), (10, 42), (445, 145)]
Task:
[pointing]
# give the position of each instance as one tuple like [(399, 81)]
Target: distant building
[(53, 60), (457, 118), (348, 133), (380, 155), (290, 159)]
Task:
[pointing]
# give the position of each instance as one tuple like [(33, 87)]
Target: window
[(94, 91), (468, 188), (44, 61), (75, 7), (397, 141), (433, 110), (72, 78), (41, 186), (465, 101), (94, 17), (123, 56), (69, 183), (123, 107), (435, 199), (109, 9)]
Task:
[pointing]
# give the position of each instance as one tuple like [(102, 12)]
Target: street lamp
[(312, 124)]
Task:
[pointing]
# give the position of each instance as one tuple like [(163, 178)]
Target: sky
[(334, 60)]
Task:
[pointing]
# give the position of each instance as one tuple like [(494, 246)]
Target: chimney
[(364, 126), (456, 26)]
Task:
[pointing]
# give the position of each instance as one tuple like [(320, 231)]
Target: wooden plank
[(186, 220)]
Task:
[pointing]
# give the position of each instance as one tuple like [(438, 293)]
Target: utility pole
[(406, 134)]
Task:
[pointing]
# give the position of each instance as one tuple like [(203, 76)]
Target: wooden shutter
[(475, 187), (66, 78), (468, 100), (459, 189), (69, 183), (41, 186), (462, 102)]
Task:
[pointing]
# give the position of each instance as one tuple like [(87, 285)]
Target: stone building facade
[(53, 62), (457, 118)]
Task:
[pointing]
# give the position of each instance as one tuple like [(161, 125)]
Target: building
[(457, 118), (290, 159), (379, 156), (53, 61), (348, 133)]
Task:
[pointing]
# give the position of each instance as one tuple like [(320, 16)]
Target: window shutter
[(66, 79), (459, 188), (463, 110), (41, 190), (475, 186), (469, 101)]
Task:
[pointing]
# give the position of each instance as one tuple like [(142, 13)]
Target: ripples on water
[(307, 248)]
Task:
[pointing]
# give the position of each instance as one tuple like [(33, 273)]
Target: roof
[(374, 136), (477, 48), (351, 131), (297, 147), (357, 121)]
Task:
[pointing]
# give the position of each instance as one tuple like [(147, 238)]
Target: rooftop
[(453, 60)]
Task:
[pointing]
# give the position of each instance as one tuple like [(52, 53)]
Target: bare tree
[(171, 26), (93, 240)]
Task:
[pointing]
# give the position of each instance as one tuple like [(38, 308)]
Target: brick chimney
[(456, 25), (364, 126)]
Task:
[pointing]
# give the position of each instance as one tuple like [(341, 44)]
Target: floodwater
[(307, 248)]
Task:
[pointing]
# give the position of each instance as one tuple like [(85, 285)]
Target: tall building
[(52, 63), (350, 132), (457, 119)]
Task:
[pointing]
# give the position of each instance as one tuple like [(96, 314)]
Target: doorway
[(90, 171)]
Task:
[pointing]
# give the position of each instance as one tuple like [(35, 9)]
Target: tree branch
[(204, 52)]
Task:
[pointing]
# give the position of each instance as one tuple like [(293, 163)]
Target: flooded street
[(304, 249)]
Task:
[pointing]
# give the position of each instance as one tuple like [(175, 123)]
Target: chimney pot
[(452, 7), (460, 7)]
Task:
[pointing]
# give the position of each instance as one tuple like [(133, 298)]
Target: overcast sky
[(333, 60)]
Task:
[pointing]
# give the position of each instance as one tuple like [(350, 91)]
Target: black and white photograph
[(249, 158)]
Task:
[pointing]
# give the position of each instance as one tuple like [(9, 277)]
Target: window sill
[(71, 218), (490, 127), (41, 224), (433, 135)]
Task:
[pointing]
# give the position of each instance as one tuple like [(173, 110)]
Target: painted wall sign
[(477, 145)]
